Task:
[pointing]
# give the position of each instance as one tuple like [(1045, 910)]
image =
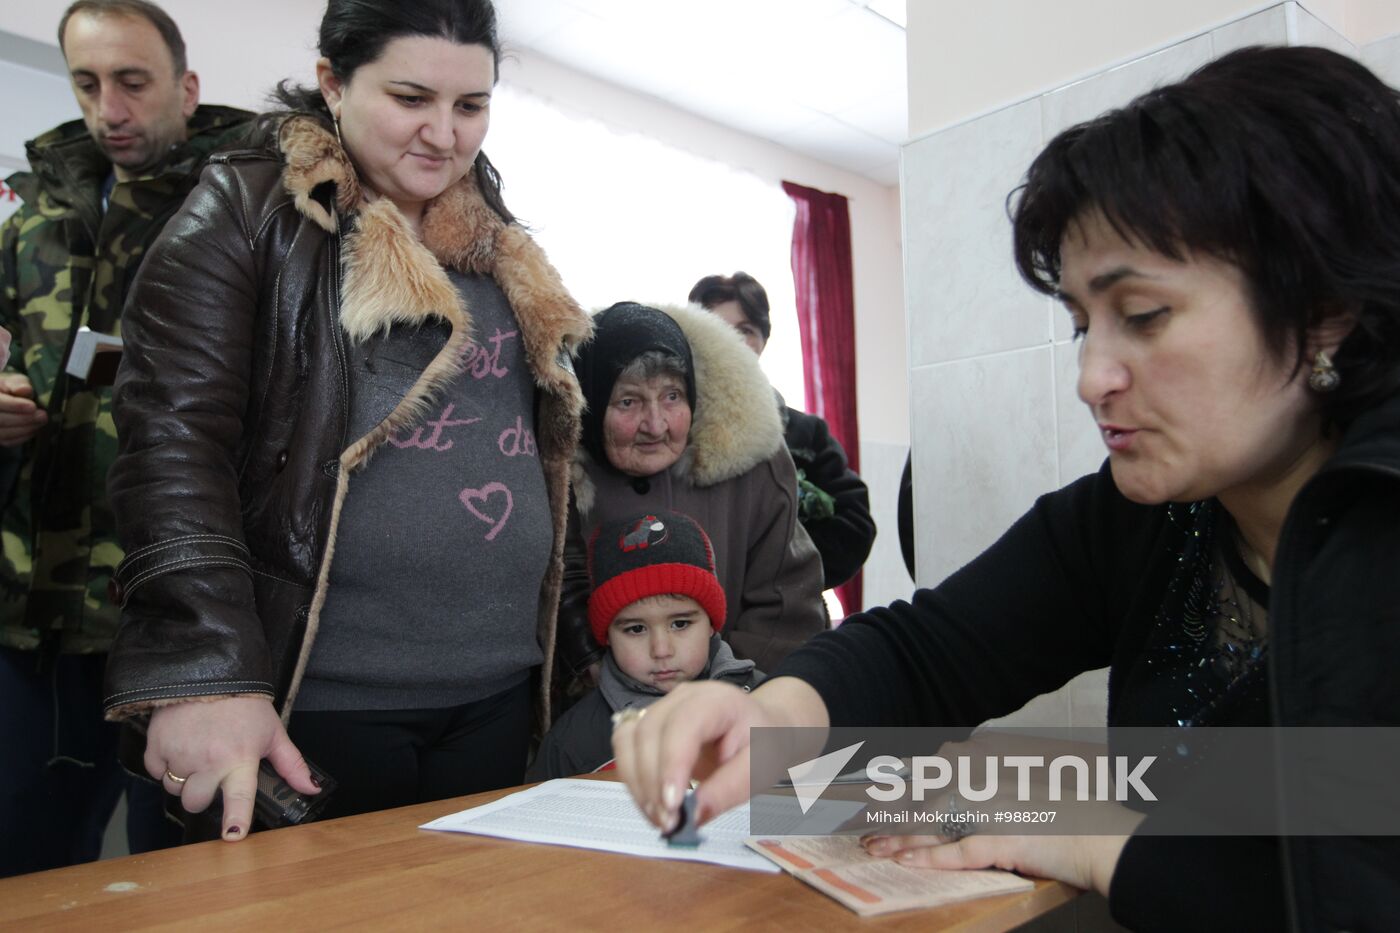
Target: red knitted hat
[(650, 555)]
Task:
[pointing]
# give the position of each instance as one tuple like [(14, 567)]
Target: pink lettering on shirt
[(434, 440), (481, 362), (518, 440)]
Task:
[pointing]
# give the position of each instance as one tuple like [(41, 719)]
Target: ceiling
[(825, 78)]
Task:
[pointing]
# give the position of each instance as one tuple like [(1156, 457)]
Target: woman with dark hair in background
[(345, 346), (1228, 249), (833, 503)]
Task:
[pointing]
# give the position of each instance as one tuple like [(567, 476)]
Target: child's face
[(661, 641)]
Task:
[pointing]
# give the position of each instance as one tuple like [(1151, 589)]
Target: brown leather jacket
[(231, 406)]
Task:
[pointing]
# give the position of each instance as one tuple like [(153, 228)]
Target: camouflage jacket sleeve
[(189, 622), (9, 282)]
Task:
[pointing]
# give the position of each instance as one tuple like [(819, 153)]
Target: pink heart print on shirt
[(471, 497)]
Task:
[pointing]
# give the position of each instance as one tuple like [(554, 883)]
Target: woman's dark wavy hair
[(355, 32), (1282, 161), (741, 287)]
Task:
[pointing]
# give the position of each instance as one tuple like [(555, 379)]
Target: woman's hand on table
[(1085, 862), (701, 731), (218, 745)]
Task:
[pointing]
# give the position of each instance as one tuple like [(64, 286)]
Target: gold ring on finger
[(172, 776)]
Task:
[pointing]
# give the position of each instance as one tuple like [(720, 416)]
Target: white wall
[(966, 59), (996, 418), (31, 101), (1383, 58), (1360, 22), (34, 96), (35, 101)]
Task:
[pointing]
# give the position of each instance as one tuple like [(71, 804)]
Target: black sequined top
[(1206, 655)]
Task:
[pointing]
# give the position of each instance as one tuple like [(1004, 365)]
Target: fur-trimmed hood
[(736, 425)]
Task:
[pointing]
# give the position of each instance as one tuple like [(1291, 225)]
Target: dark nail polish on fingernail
[(315, 780), (234, 831)]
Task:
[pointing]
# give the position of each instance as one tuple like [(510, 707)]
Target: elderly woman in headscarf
[(680, 416)]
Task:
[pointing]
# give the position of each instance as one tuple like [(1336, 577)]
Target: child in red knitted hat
[(658, 608)]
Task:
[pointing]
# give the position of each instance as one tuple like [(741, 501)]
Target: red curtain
[(821, 271)]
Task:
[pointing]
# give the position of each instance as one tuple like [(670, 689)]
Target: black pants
[(59, 777), (393, 758)]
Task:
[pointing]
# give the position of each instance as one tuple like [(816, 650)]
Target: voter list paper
[(601, 815)]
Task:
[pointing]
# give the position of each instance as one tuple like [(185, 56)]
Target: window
[(625, 217)]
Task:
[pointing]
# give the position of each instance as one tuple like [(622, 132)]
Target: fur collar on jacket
[(392, 277), (736, 424)]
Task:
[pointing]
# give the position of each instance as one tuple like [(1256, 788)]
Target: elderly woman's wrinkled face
[(1189, 400), (647, 424)]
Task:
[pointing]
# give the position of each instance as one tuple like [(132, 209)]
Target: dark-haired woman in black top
[(1228, 248)]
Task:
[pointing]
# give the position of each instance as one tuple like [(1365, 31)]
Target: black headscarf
[(620, 335)]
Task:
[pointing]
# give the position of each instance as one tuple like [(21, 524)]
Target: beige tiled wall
[(959, 179), (1383, 58), (1306, 29), (984, 451), (996, 419), (1267, 28)]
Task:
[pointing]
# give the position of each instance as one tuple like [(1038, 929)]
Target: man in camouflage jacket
[(100, 191)]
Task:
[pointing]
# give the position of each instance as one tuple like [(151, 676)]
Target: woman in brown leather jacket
[(344, 345)]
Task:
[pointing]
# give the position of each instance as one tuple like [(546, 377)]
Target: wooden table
[(380, 871)]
